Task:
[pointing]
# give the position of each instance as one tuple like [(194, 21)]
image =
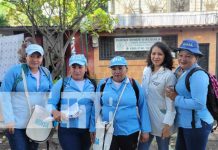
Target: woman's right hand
[(171, 93), (166, 131), (10, 128), (144, 137), (92, 136), (58, 116)]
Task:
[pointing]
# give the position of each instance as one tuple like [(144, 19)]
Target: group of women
[(160, 105)]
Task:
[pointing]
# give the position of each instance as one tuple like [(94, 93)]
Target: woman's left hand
[(166, 131), (144, 137)]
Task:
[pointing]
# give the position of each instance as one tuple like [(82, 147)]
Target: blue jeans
[(163, 144), (74, 138), (191, 139), (19, 140)]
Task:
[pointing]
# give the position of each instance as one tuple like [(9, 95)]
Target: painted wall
[(82, 48), (203, 35)]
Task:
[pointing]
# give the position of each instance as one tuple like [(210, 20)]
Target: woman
[(129, 120), (190, 137), (15, 106), (76, 106), (156, 77)]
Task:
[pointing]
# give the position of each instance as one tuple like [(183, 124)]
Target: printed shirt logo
[(155, 83)]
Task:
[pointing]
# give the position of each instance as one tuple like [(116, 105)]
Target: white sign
[(9, 46), (135, 43)]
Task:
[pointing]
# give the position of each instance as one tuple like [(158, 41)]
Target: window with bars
[(180, 5), (106, 48)]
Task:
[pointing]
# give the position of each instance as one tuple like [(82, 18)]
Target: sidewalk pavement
[(211, 145), (54, 144)]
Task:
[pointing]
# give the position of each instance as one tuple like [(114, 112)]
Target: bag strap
[(26, 91), (46, 72), (135, 88), (102, 89), (187, 84), (64, 80), (19, 77), (103, 85), (133, 83), (119, 99), (25, 69)]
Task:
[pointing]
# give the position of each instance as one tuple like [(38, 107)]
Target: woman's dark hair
[(87, 76), (168, 59)]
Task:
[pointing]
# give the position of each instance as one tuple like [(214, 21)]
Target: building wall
[(99, 68), (203, 35), (135, 67)]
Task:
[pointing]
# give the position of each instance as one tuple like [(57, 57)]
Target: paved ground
[(54, 145), (211, 145)]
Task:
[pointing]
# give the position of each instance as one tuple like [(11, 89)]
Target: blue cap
[(78, 59), (34, 48), (118, 61), (191, 46)]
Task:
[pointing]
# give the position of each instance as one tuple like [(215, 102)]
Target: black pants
[(74, 138), (122, 142)]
